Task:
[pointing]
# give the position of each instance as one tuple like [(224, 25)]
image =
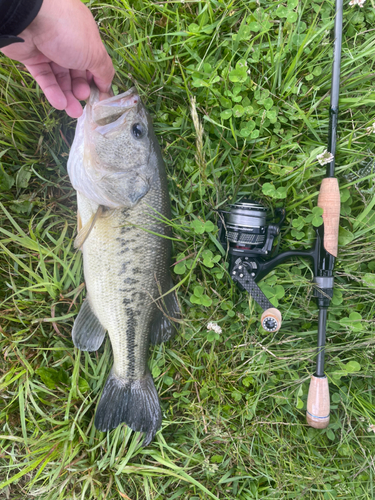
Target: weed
[(239, 94)]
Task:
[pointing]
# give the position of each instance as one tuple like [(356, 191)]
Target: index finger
[(45, 77)]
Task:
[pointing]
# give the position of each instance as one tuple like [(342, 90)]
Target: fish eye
[(138, 130)]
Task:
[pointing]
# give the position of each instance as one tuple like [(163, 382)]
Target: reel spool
[(246, 224), (248, 228)]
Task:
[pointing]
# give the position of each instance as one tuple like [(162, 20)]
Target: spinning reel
[(247, 231)]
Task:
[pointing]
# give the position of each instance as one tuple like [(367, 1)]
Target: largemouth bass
[(116, 167)]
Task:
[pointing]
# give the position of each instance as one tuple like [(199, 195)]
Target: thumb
[(102, 71)]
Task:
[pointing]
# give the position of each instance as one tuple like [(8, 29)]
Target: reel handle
[(329, 201), (317, 414), (271, 320)]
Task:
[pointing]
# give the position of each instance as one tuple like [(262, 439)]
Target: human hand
[(63, 52)]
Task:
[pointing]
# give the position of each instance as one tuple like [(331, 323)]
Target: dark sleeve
[(15, 16)]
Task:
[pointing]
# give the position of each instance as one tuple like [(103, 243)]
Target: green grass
[(234, 404)]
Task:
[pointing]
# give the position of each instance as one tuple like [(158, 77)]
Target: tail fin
[(134, 402)]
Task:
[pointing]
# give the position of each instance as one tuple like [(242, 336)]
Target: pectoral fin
[(88, 334), (83, 232), (79, 222)]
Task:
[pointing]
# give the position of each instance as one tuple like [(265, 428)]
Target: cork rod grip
[(317, 414), (329, 201)]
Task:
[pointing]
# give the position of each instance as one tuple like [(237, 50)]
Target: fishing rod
[(247, 231), (318, 407)]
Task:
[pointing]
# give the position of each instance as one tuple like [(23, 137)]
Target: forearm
[(15, 16)]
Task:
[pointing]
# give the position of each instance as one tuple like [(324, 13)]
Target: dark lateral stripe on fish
[(130, 342)]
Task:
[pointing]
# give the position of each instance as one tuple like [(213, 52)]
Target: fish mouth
[(108, 110)]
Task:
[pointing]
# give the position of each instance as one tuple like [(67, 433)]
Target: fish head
[(117, 156)]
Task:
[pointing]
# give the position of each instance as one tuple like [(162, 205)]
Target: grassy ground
[(234, 403)]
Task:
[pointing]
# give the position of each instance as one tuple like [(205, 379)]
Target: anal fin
[(88, 334), (163, 328)]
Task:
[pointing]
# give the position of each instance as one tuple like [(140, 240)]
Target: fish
[(116, 167)]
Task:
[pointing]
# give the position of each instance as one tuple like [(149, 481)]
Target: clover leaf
[(297, 234), (247, 128), (298, 223), (273, 293), (180, 268), (268, 103), (200, 227), (353, 322), (315, 217), (238, 110), (352, 366), (337, 297), (270, 190), (211, 336), (226, 114), (209, 259), (209, 227), (199, 297), (236, 98), (226, 103), (239, 74), (281, 11), (369, 279), (254, 26)]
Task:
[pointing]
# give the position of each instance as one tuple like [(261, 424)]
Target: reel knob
[(271, 320)]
